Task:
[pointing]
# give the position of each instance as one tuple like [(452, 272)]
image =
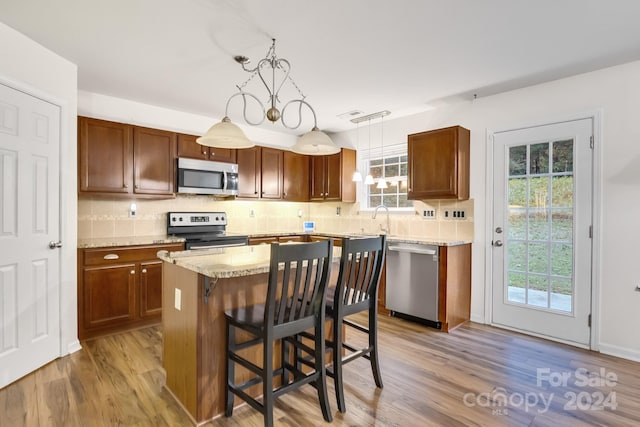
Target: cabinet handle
[(137, 186), (144, 270), (133, 272), (204, 153), (125, 185), (111, 256)]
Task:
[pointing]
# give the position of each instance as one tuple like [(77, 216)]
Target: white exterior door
[(29, 221), (542, 183)]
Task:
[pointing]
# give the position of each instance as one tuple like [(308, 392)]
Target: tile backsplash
[(105, 218)]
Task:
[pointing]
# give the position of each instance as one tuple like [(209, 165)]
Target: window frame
[(364, 156)]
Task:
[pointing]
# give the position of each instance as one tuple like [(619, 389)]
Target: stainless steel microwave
[(206, 177)]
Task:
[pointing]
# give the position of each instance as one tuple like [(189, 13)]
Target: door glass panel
[(540, 225), (563, 156), (562, 225), (518, 160), (539, 158)]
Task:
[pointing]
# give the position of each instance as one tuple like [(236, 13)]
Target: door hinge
[(591, 141), (591, 231), (589, 320)]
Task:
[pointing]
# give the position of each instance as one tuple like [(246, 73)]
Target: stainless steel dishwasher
[(412, 282)]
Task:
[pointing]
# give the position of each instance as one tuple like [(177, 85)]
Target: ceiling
[(364, 55)]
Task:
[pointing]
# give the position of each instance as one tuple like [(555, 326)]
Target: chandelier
[(274, 72)]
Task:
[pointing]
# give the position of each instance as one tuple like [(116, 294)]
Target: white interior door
[(542, 230), (29, 221)]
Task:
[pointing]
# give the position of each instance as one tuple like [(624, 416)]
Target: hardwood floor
[(430, 379)]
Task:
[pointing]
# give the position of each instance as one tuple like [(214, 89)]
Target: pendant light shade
[(357, 177), (368, 180), (382, 184), (315, 143), (225, 135)]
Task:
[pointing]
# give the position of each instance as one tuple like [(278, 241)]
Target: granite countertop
[(402, 239), (149, 240), (227, 262), (107, 242)]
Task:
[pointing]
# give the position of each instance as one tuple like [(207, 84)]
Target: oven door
[(225, 242)]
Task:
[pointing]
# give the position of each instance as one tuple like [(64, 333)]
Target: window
[(394, 165)]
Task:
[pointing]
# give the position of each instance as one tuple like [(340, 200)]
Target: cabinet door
[(318, 182), (249, 172), (226, 155), (105, 156), (295, 173), (333, 177), (109, 295), (151, 288), (438, 166), (188, 147), (271, 173), (153, 161)]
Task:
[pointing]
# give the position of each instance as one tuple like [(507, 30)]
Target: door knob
[(55, 245), (497, 243)]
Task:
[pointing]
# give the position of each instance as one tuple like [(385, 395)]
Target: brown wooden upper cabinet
[(271, 173), (331, 177), (119, 159), (439, 164), (296, 177), (260, 173), (188, 147)]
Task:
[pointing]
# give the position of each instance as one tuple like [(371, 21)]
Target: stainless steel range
[(203, 230)]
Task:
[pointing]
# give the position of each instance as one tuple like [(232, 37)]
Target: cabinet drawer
[(125, 254)]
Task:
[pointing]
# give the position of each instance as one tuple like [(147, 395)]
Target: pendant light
[(368, 180), (382, 182), (357, 176)]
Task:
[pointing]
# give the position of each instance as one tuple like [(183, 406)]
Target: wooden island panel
[(195, 337)]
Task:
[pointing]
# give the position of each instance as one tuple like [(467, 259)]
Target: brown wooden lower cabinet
[(454, 287), (119, 288)]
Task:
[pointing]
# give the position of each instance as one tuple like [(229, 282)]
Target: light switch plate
[(428, 214)]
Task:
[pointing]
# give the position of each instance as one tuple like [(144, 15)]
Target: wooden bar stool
[(298, 278), (356, 290)]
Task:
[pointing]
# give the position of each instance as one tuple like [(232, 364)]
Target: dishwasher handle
[(413, 250)]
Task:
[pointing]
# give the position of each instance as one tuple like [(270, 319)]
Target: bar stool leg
[(373, 345), (230, 368), (337, 363)]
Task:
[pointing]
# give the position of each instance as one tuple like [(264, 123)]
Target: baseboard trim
[(73, 346), (622, 352)]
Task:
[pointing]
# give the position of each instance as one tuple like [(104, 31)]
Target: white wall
[(27, 66), (615, 93)]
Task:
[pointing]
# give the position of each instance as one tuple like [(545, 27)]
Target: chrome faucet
[(375, 212)]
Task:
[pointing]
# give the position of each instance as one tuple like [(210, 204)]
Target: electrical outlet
[(252, 213), (178, 299), (133, 209)]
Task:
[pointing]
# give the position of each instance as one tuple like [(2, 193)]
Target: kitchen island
[(197, 287)]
